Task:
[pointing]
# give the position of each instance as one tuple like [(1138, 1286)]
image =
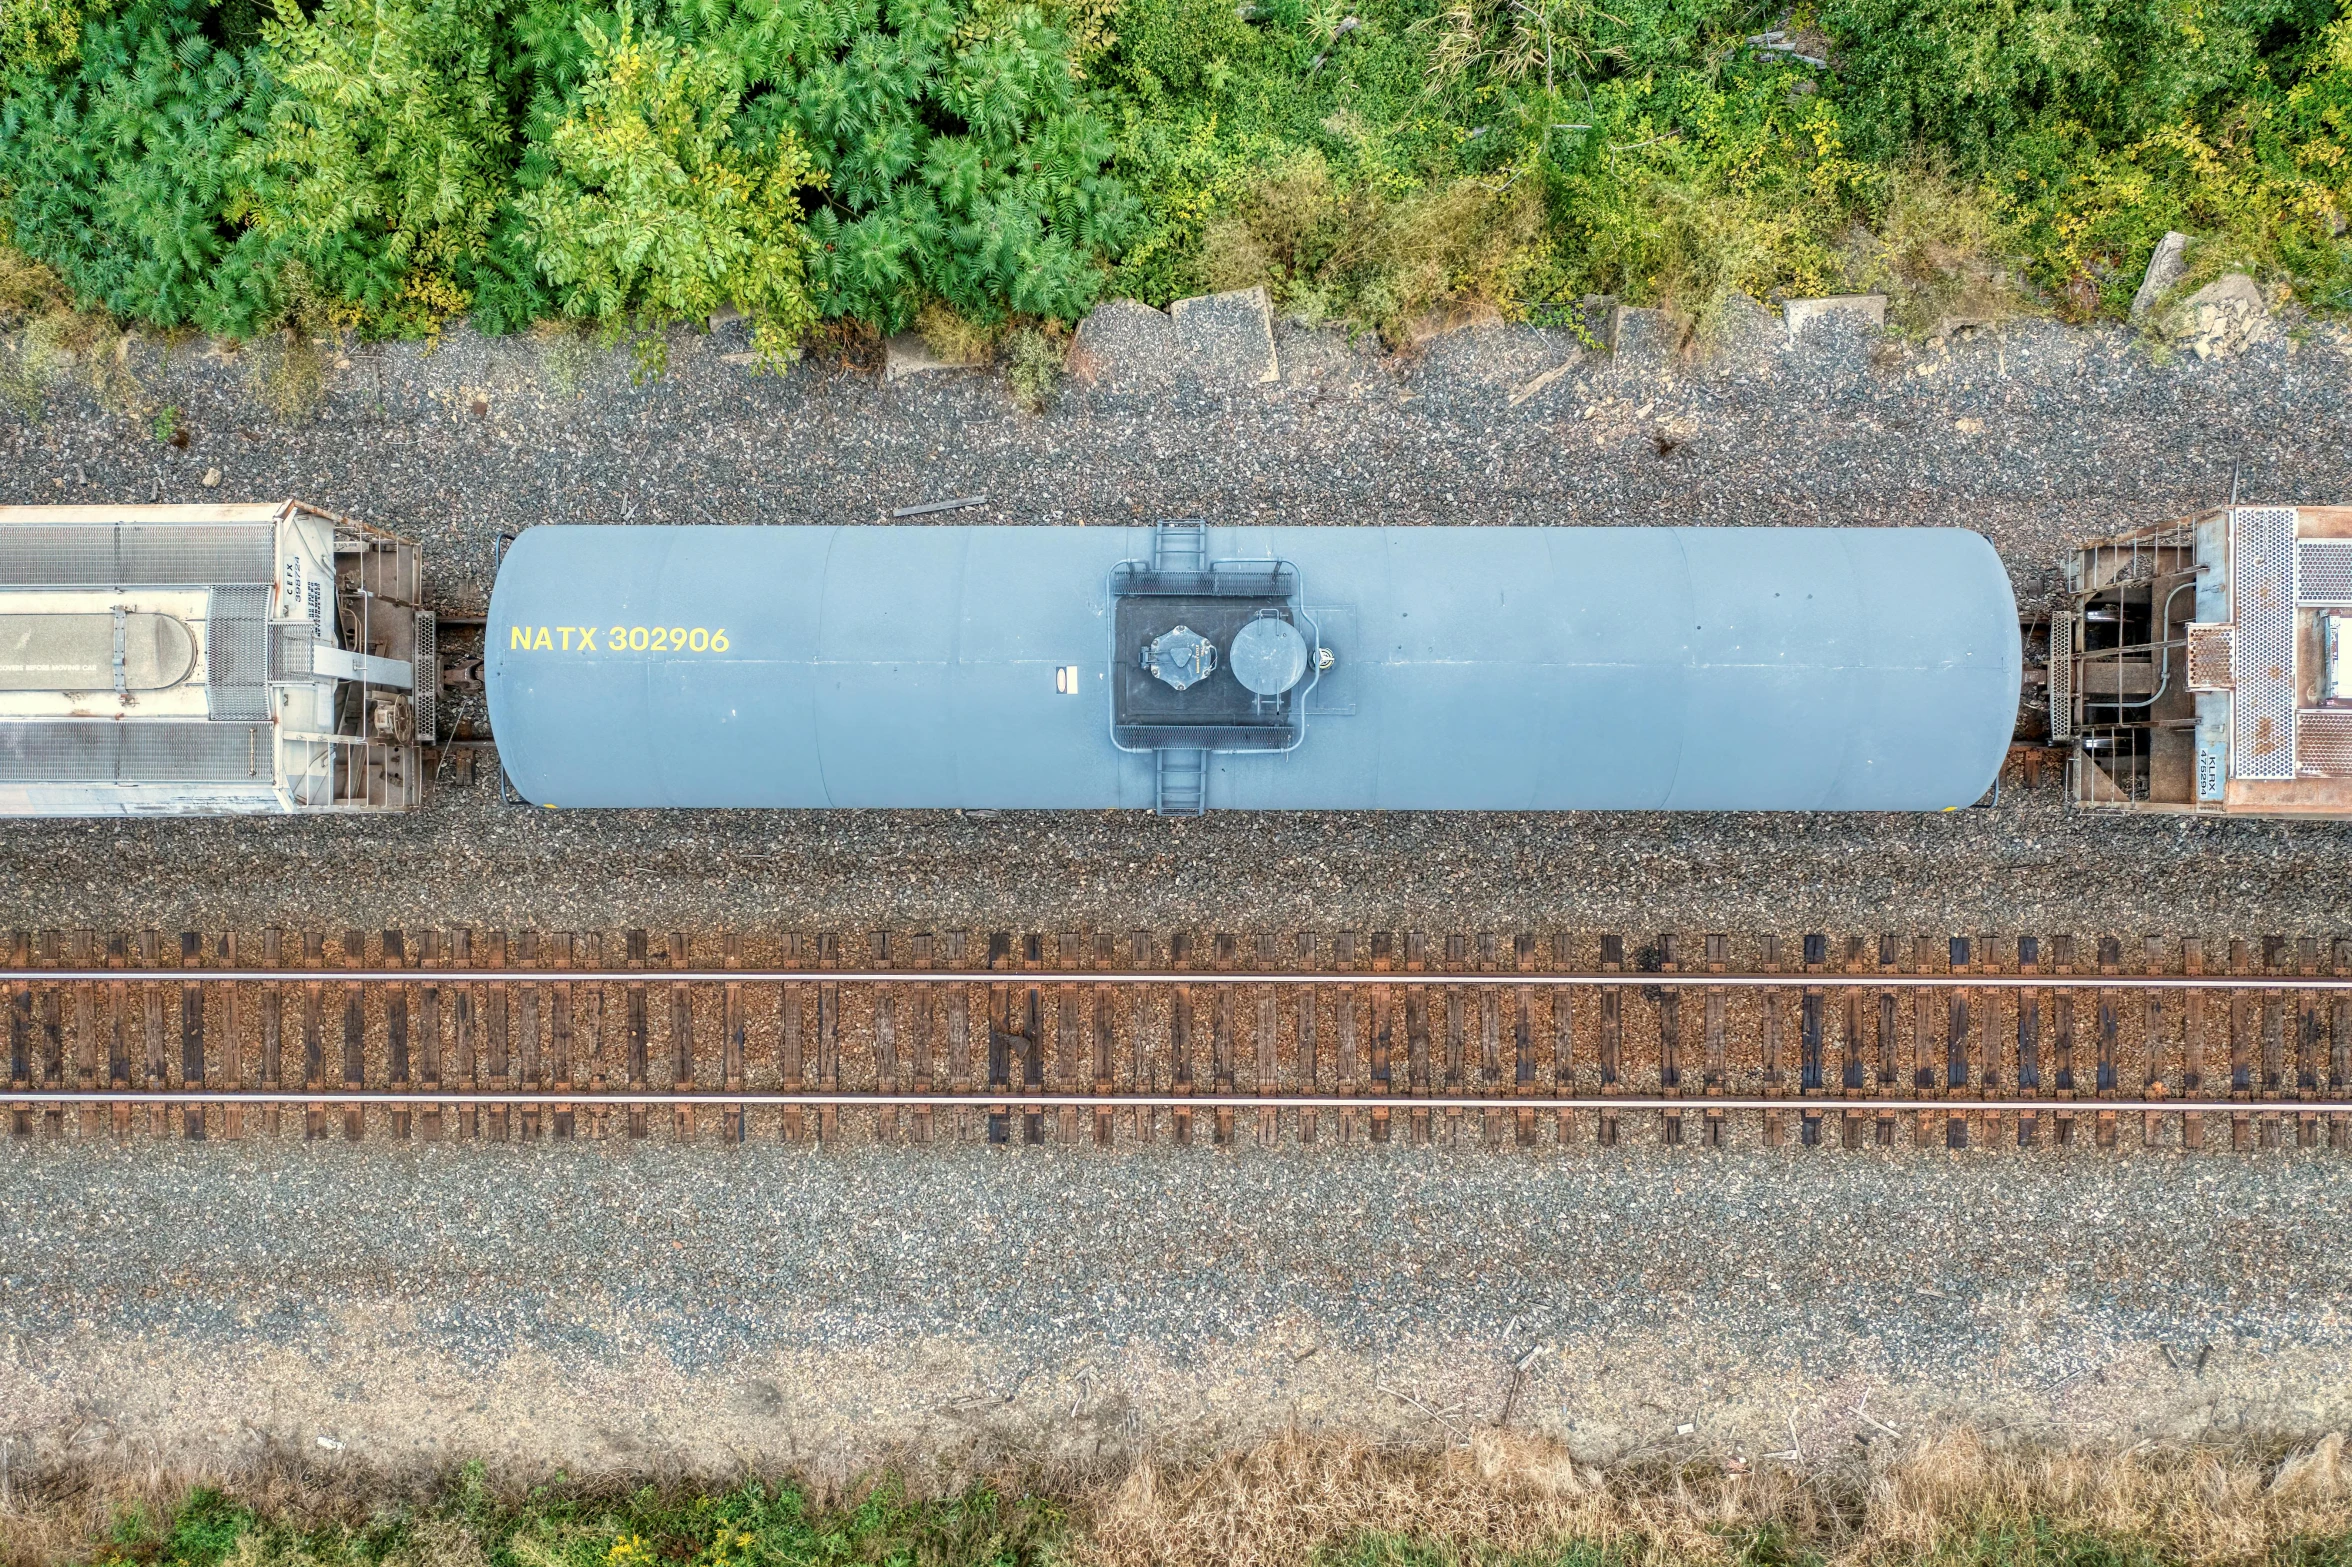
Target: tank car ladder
[(1181, 546), (1183, 771), (1183, 781)]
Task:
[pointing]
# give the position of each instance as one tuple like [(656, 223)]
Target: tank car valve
[(1181, 657)]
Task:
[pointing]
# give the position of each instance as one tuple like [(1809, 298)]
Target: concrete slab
[(907, 354), (2165, 268), (1861, 309), (1229, 336)]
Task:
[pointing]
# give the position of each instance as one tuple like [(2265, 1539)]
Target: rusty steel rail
[(984, 1099), (458, 1034), (1632, 979)]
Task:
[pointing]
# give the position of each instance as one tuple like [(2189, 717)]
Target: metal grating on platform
[(2323, 572), (2061, 678), (2209, 656), (236, 655), (2262, 578), (2323, 743), (427, 690), (137, 554), (157, 752)]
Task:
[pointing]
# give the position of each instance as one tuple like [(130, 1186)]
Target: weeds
[(287, 366), (1515, 1501), (566, 357), (1034, 360), (832, 170), (1328, 251), (1939, 253), (1504, 1500), (26, 287), (953, 338)]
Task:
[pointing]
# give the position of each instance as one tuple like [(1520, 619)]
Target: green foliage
[(975, 175), (120, 174), (653, 214), (760, 1526), (205, 1530), (965, 166), (2099, 125), (37, 36), (985, 166), (1033, 367), (1329, 252), (1694, 193), (1971, 76), (1212, 107), (385, 158)]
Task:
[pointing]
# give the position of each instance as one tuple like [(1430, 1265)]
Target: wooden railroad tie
[(1099, 1038)]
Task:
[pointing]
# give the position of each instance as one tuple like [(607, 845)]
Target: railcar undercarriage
[(2205, 665)]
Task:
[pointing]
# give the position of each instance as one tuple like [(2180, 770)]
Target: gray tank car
[(1185, 668)]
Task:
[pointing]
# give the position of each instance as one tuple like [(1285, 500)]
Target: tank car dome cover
[(1477, 668)]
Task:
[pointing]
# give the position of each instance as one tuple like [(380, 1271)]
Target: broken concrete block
[(907, 354), (1229, 336), (1122, 340), (2225, 316), (1446, 319), (1863, 309), (2164, 269)]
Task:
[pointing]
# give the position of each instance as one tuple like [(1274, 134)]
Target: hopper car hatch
[(210, 660)]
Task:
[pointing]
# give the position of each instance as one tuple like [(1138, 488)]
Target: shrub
[(1969, 77), (1033, 367), (120, 173), (953, 339), (652, 214), (383, 164), (974, 174), (1939, 251), (1328, 252), (38, 36)]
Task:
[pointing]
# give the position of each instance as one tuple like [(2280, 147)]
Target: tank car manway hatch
[(1208, 656), (208, 660), (2205, 664)]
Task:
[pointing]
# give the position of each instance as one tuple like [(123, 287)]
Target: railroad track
[(1103, 1037)]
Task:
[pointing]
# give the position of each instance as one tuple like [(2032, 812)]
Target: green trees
[(973, 173), (239, 165), (120, 171), (651, 213), (398, 162), (956, 157), (384, 160)]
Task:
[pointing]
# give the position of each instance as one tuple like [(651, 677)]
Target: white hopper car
[(210, 660)]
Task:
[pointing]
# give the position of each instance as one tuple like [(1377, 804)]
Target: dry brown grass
[(26, 286), (1938, 253), (954, 339), (61, 1514), (58, 345), (1302, 1495), (1282, 1501), (1329, 251), (1953, 1498)]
